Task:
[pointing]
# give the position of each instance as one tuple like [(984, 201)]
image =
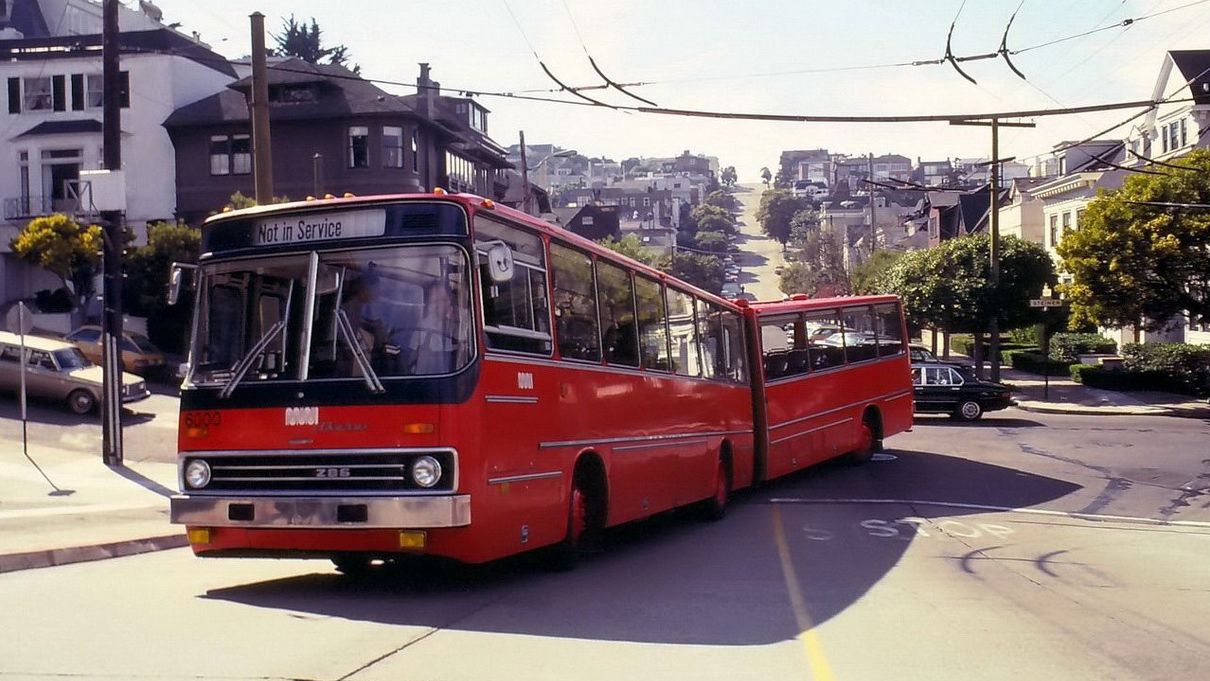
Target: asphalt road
[(1021, 547), (148, 426), (759, 255)]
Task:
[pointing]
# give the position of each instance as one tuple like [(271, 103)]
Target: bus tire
[(566, 554), (715, 508), (352, 564), (869, 440)]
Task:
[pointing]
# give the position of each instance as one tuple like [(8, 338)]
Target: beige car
[(57, 370)]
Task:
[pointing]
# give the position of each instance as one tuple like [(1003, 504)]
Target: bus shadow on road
[(671, 580)]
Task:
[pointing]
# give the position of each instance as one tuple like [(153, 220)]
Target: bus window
[(682, 334), (890, 333), (860, 341), (825, 339), (734, 350), (653, 338), (575, 304), (620, 335), (515, 314), (709, 334), (777, 340)]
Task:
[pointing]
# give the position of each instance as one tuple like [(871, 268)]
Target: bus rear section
[(835, 379), (329, 411)]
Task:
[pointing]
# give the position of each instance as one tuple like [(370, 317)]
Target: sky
[(775, 56)]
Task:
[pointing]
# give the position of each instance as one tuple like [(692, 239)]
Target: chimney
[(426, 89)]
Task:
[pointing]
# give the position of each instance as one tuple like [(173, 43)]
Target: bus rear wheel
[(715, 508), (867, 443), (566, 554)]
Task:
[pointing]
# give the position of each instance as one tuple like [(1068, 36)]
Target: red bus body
[(519, 433), (809, 411), (305, 456)]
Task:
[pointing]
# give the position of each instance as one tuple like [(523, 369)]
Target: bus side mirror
[(176, 280), (500, 262)]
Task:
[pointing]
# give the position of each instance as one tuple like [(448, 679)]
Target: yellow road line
[(820, 669)]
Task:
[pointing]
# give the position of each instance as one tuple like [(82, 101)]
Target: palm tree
[(766, 176)]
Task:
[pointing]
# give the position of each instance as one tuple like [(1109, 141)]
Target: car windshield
[(71, 358), (375, 313), (143, 343)]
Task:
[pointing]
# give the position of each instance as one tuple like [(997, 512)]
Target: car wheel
[(969, 410), (81, 401)]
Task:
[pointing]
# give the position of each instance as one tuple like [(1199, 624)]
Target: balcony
[(23, 207)]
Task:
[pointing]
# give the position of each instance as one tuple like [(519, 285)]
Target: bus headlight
[(426, 471), (197, 474)]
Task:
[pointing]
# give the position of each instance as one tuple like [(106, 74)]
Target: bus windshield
[(376, 313)]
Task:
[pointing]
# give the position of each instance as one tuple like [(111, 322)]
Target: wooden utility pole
[(111, 262), (524, 176), (261, 148), (993, 327), (873, 222)]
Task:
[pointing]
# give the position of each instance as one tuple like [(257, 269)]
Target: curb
[(1080, 410), (80, 554)]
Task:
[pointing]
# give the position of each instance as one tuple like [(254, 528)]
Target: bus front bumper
[(322, 512)]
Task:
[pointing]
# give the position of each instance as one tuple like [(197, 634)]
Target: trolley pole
[(111, 293)]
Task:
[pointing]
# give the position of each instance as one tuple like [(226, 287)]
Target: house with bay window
[(50, 116), (333, 132)]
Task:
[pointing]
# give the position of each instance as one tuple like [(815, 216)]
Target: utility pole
[(111, 259), (317, 172), (994, 226), (261, 148), (873, 189), (524, 176)]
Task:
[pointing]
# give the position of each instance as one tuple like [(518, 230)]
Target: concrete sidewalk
[(68, 507), (1065, 396)]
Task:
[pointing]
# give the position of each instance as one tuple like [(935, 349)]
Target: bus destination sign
[(312, 227)]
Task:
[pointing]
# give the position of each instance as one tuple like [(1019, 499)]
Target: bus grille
[(321, 472)]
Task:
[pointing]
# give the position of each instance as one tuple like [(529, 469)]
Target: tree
[(1139, 265), (867, 276), (63, 247), (721, 199), (949, 286), (703, 271), (239, 201), (766, 176), (729, 176), (776, 210), (711, 241), (147, 271), (305, 42), (631, 247), (820, 268)]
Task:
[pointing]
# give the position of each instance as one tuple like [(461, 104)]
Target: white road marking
[(1004, 509)]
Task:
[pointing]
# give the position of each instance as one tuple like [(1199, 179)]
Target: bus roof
[(803, 304), (473, 203)]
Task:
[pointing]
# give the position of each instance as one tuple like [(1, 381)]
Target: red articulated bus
[(835, 379), (437, 374)]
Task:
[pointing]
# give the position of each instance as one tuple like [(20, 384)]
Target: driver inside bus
[(369, 316), (434, 341)]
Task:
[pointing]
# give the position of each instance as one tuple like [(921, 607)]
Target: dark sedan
[(947, 389)]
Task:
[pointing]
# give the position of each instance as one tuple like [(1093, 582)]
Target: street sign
[(19, 319), (1045, 302)]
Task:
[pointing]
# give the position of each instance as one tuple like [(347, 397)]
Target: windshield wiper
[(359, 355), (241, 369)]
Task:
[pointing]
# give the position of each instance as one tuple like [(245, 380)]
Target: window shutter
[(124, 89), (77, 92), (14, 95), (59, 92)]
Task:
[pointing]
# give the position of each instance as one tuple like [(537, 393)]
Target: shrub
[(1078, 371), (1026, 336), (1183, 367), (1067, 347), (964, 344), (1037, 363)]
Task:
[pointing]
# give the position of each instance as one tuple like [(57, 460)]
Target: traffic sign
[(1045, 302)]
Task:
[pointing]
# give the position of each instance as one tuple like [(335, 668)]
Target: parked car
[(919, 353), (139, 354), (947, 389), (731, 289), (58, 370)]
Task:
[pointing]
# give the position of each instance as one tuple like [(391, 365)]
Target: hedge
[(1036, 363), (1067, 347), (1182, 367), (964, 344), (1078, 371)]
